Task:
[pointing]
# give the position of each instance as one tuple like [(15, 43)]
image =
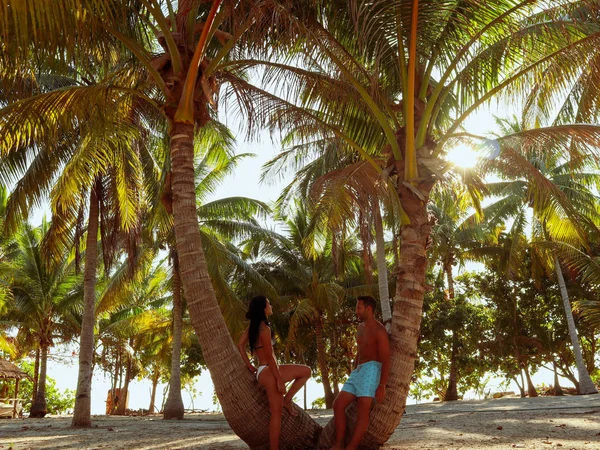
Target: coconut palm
[(303, 274), (407, 97), (470, 63), (180, 61), (456, 231), (587, 266), (5, 345), (95, 162), (137, 318), (343, 192), (558, 191), (222, 222), (46, 298)]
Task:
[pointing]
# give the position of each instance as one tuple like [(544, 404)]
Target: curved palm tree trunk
[(586, 385), (174, 408), (243, 400), (83, 398), (39, 408), (382, 275), (322, 360), (406, 323)]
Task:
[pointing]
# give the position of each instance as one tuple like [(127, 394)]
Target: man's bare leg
[(363, 408), (341, 402)]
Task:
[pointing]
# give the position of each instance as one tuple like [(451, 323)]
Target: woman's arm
[(265, 339), (242, 349)]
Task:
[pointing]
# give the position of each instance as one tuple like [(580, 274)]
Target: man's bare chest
[(366, 338)]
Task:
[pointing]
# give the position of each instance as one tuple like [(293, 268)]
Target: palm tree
[(455, 232), (424, 39), (175, 50), (222, 222), (343, 191), (96, 163), (304, 271), (557, 190), (406, 97), (587, 266), (137, 318), (46, 298)]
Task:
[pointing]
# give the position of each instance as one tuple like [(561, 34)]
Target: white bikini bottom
[(260, 369)]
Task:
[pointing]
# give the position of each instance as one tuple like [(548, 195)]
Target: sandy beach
[(571, 422)]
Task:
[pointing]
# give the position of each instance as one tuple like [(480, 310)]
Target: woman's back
[(263, 344)]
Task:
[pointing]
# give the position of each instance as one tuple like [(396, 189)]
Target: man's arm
[(359, 332), (383, 348)]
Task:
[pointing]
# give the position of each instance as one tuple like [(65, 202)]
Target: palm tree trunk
[(520, 385), (531, 391), (114, 376), (322, 360), (334, 375), (365, 237), (450, 279), (395, 248), (155, 377), (586, 385), (382, 275), (451, 393), (36, 374), (305, 406), (174, 408), (122, 406), (244, 402), (406, 323), (557, 389), (83, 398), (39, 408)]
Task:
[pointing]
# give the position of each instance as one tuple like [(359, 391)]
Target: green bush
[(318, 403)]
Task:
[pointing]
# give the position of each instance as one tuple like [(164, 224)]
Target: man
[(369, 377)]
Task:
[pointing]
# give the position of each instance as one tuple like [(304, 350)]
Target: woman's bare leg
[(300, 375), (275, 406)]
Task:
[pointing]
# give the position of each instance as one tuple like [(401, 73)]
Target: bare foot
[(287, 404)]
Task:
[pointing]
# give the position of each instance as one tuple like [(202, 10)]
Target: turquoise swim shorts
[(364, 380)]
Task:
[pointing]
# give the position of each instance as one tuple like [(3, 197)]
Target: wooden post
[(16, 398)]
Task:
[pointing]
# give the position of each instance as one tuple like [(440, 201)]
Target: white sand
[(543, 423)]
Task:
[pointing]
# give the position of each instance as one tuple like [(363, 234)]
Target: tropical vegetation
[(120, 119)]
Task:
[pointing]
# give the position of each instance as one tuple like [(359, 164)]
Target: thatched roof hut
[(9, 370)]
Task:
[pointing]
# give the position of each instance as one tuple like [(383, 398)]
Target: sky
[(245, 182)]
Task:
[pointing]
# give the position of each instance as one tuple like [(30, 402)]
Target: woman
[(269, 374)]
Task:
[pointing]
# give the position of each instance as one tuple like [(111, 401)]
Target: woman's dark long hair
[(256, 315)]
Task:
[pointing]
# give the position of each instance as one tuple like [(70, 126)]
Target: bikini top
[(272, 343)]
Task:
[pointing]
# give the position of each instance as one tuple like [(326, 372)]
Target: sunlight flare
[(463, 156)]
